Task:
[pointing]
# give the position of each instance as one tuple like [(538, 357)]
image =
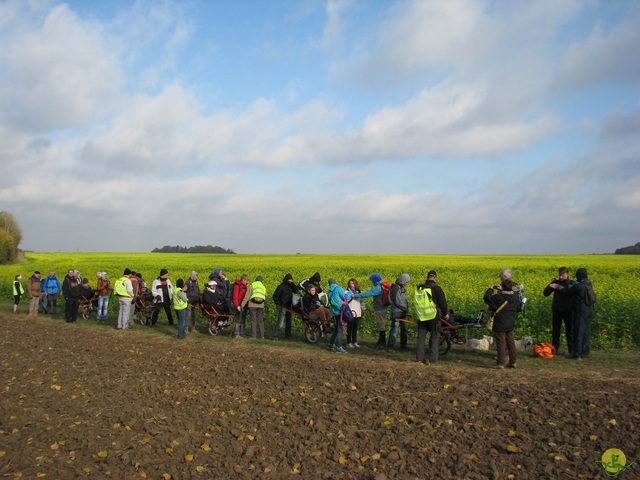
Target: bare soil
[(82, 401)]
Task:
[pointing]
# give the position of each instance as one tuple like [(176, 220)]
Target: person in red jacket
[(239, 291)]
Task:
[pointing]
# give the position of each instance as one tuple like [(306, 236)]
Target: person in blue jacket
[(337, 297), (51, 289)]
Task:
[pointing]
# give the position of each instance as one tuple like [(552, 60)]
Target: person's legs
[(192, 313), (167, 309), (287, 326), (182, 320), (422, 337), (578, 336), (252, 313), (501, 346), (33, 305), (511, 348), (568, 330), (74, 309), (354, 331), (279, 323), (67, 310), (556, 324), (338, 331), (404, 335), (260, 318), (156, 313), (434, 327), (381, 319), (392, 332), (586, 342)]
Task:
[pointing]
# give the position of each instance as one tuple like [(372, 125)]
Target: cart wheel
[(86, 313), (213, 328), (445, 345), (312, 332)]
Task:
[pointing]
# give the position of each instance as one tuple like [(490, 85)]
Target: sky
[(322, 126)]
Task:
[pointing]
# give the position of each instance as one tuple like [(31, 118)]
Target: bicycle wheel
[(312, 332), (143, 317), (213, 327), (445, 345), (86, 312)]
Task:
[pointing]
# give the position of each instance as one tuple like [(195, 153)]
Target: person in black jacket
[(71, 292), (582, 314), (433, 327), (503, 314), (283, 298), (561, 309)]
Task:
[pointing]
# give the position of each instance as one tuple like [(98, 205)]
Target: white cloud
[(59, 72)]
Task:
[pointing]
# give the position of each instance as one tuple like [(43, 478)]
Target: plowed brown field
[(81, 401)]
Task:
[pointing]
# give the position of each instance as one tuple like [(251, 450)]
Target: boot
[(382, 339)]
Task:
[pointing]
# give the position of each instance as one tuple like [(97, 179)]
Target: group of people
[(44, 293), (244, 299)]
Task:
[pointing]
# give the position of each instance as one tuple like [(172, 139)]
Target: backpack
[(544, 350), (386, 290), (521, 299), (589, 295), (425, 306), (346, 315)]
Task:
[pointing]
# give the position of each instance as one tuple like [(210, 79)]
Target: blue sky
[(342, 126)]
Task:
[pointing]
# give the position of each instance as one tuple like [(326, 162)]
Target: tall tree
[(9, 225)]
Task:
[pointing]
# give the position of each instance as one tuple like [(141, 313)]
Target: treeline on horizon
[(196, 249), (632, 250)]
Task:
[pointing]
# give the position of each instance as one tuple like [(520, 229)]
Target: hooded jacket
[(283, 295)]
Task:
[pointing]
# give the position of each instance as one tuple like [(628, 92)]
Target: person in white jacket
[(162, 290)]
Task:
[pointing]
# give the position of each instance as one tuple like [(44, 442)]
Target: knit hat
[(375, 278), (581, 274), (404, 279), (332, 281), (212, 283), (164, 271), (259, 278), (193, 273), (217, 271)]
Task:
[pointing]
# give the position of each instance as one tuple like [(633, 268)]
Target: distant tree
[(196, 249), (632, 250), (7, 247), (9, 226)]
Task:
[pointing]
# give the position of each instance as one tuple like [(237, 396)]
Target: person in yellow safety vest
[(180, 304), (123, 289), (18, 291), (430, 316), (255, 298)]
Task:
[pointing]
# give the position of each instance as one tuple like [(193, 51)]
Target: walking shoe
[(356, 345), (458, 340), (498, 366), (341, 350), (350, 345), (511, 365), (391, 350), (330, 346)]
